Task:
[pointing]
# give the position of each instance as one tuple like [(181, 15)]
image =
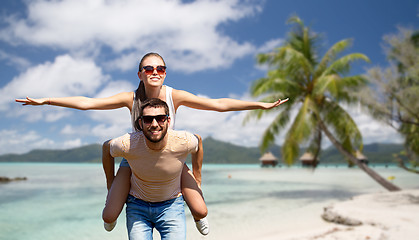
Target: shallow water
[(64, 201)]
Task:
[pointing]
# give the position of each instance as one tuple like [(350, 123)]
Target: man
[(156, 156)]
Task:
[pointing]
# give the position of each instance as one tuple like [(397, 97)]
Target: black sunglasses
[(150, 69), (159, 118)]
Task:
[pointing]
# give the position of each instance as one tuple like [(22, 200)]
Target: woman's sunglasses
[(150, 70), (159, 118)]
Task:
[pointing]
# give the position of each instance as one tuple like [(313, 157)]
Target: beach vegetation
[(393, 93), (317, 85)]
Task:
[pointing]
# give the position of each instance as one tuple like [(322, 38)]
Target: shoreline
[(244, 203)]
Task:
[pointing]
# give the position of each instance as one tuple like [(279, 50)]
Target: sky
[(92, 48)]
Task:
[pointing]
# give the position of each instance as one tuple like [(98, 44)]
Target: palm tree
[(315, 87)]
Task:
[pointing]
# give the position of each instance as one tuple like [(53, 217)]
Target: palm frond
[(279, 123), (347, 87), (290, 150), (266, 58), (340, 88), (326, 83), (330, 55), (342, 124), (262, 86), (303, 39), (301, 127), (315, 142), (295, 19), (294, 63), (342, 65)]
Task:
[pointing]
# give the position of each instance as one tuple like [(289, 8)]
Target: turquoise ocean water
[(64, 201)]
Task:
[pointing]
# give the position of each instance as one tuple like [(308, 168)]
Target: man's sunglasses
[(150, 70), (159, 118)]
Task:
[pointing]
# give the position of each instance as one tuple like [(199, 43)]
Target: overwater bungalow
[(268, 159), (361, 157), (308, 160)]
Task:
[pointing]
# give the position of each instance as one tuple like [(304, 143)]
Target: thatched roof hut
[(268, 159), (361, 157), (307, 159)]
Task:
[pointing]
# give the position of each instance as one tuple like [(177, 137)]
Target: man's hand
[(108, 163), (197, 159)]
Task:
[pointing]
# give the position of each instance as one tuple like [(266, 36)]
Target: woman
[(152, 73)]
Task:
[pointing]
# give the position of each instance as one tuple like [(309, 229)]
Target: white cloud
[(106, 131), (270, 45), (13, 141), (79, 130), (15, 61), (125, 62), (72, 143), (66, 76), (115, 87), (185, 33), (19, 142), (55, 115), (372, 130)]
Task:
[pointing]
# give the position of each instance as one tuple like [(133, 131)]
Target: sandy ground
[(386, 215), (380, 216)]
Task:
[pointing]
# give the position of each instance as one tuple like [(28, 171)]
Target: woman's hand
[(32, 101), (274, 104)]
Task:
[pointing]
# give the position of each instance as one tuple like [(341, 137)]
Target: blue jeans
[(124, 163), (167, 217)]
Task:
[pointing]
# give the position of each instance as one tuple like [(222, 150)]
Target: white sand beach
[(381, 216), (385, 215)]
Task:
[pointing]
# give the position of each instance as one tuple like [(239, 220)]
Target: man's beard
[(164, 132)]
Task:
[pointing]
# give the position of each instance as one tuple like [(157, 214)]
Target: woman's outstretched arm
[(187, 99), (84, 103)]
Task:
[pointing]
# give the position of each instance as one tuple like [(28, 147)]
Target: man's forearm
[(108, 163), (197, 159)]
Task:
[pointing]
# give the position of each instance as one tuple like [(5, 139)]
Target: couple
[(152, 73), (156, 155)]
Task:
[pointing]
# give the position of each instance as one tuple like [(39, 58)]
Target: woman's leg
[(192, 194), (117, 195)]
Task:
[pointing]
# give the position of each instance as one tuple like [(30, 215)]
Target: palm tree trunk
[(380, 180)]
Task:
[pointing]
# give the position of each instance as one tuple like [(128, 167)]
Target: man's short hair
[(151, 102)]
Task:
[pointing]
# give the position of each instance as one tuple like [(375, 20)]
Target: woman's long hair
[(140, 94)]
